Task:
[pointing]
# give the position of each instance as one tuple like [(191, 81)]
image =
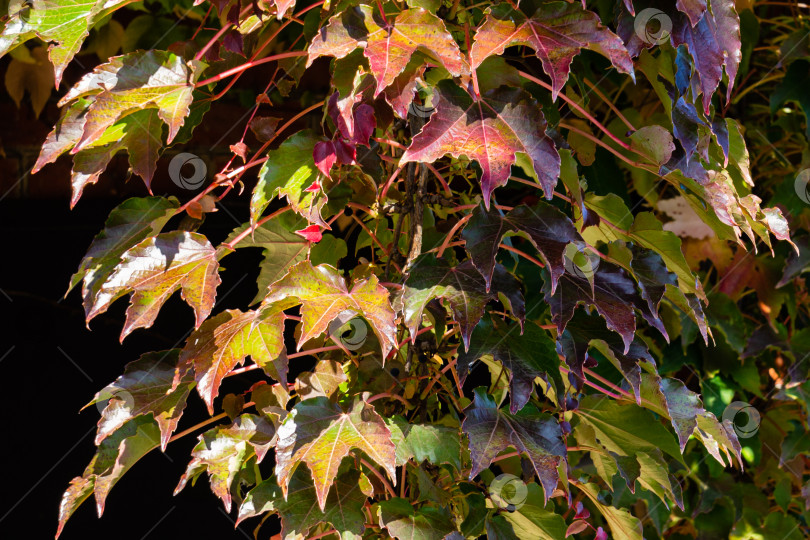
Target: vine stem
[(448, 236), (436, 377), (609, 103), (204, 423), (522, 254), (607, 382), (382, 395), (390, 181), (308, 352), (219, 34), (604, 145), (382, 478), (596, 386), (253, 162), (447, 191), (241, 236), (248, 65), (582, 111)]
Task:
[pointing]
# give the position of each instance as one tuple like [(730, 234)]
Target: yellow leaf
[(36, 78)]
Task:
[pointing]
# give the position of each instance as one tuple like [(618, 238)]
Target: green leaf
[(129, 223), (435, 443), (491, 431), (320, 434), (526, 355), (299, 511), (288, 172), (147, 386), (115, 456), (625, 429), (533, 520), (653, 141), (623, 525), (324, 296), (153, 270), (63, 23), (135, 81), (281, 249), (223, 342), (463, 287), (670, 398), (224, 450), (404, 522)]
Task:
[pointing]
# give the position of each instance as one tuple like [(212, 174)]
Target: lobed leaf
[(557, 32), (388, 44), (462, 287), (324, 296), (146, 387), (224, 341), (492, 130), (153, 270), (491, 431), (320, 434)]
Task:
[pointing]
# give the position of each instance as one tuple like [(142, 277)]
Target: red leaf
[(557, 32), (311, 233), (491, 130)]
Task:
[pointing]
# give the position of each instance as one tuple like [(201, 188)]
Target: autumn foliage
[(512, 283)]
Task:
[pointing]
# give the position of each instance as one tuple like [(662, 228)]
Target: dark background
[(51, 364)]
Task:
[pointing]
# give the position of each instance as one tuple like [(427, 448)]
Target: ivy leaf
[(548, 229), (300, 511), (115, 456), (557, 32), (135, 81), (526, 355), (404, 522), (491, 431), (281, 249), (625, 429), (614, 296), (463, 288), (323, 381), (224, 450), (714, 42), (491, 130), (128, 224), (623, 524), (139, 133), (324, 296), (145, 387), (63, 23), (388, 46), (288, 172), (653, 276), (435, 443), (583, 332), (670, 398), (694, 9), (153, 270), (320, 434), (223, 342), (532, 520)]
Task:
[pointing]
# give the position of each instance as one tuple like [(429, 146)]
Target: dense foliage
[(520, 281)]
